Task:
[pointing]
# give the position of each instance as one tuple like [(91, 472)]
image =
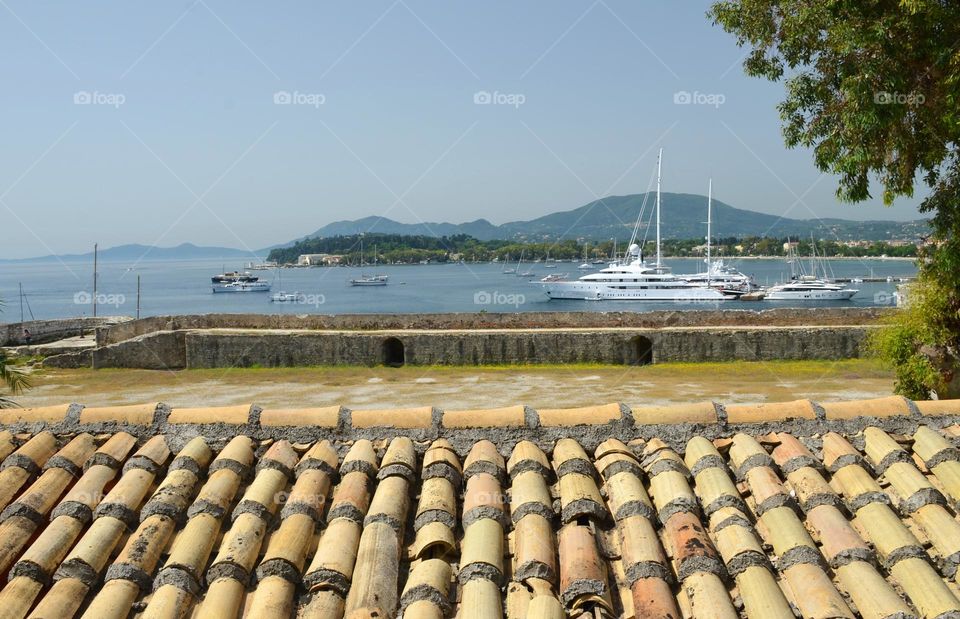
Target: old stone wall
[(215, 349), (43, 331), (485, 320)]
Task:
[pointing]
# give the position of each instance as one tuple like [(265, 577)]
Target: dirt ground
[(467, 387)]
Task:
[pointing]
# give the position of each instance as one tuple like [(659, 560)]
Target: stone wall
[(43, 331), (212, 349), (485, 320)]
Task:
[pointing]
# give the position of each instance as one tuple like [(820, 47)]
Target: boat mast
[(709, 218), (659, 157), (95, 280)]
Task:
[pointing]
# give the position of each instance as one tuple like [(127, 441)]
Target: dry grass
[(467, 387)]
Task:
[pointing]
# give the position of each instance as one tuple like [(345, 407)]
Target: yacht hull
[(575, 290), (810, 295)]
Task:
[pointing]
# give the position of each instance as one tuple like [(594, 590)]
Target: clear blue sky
[(183, 140)]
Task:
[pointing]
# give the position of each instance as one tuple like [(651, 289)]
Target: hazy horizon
[(227, 125)]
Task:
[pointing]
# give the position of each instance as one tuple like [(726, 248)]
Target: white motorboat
[(810, 287), (807, 287), (243, 286), (585, 267), (370, 280), (632, 279)]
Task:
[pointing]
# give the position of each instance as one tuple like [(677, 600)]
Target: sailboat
[(513, 270), (523, 273), (632, 279), (369, 280), (719, 275)]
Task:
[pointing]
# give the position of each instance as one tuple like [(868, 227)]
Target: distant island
[(615, 216), (134, 252), (416, 249), (567, 233)]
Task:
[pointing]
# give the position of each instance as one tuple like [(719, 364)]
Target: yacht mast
[(659, 157), (709, 218)]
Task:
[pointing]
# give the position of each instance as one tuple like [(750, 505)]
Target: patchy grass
[(468, 387)]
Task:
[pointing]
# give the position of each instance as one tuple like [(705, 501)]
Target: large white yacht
[(632, 279)]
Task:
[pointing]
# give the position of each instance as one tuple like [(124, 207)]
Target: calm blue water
[(55, 290)]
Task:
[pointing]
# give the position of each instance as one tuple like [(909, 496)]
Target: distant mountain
[(683, 217), (184, 251)]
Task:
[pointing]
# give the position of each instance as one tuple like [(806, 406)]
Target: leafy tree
[(873, 87), (13, 379)]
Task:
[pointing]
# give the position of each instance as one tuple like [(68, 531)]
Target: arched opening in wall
[(642, 349), (393, 355)]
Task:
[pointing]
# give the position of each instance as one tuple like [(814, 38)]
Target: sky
[(245, 124)]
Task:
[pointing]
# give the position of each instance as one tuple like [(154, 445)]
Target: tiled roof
[(804, 509)]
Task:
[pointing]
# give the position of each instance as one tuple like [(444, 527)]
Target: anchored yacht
[(632, 279), (802, 286), (809, 287)]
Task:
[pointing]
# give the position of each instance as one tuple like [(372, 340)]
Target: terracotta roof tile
[(892, 406), (48, 414), (699, 412), (624, 519), (408, 418), (138, 414), (324, 417), (754, 413), (234, 415), (511, 416), (593, 415)]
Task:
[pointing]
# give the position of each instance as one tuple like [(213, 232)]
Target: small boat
[(243, 286), (585, 267), (370, 280), (549, 266)]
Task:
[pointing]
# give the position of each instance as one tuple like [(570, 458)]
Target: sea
[(54, 289)]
